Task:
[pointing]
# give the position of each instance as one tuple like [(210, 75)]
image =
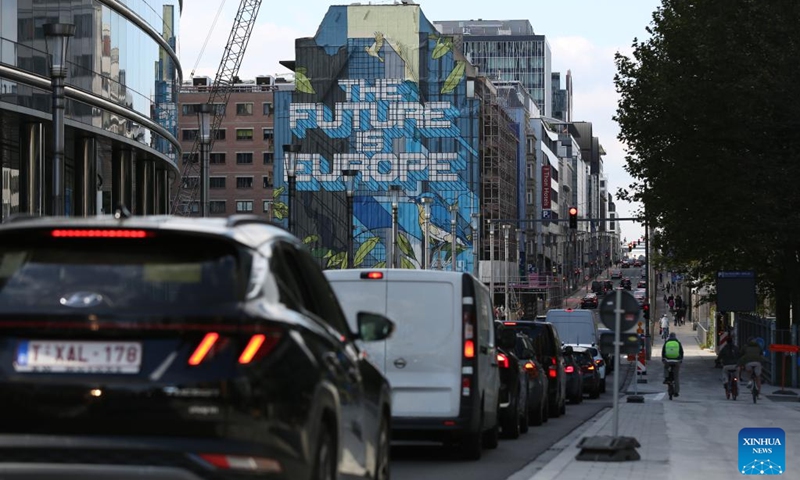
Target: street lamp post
[(290, 152), (506, 230), (475, 223), (350, 186), (204, 134), (453, 224), (491, 259), (426, 207), (57, 36), (394, 194)]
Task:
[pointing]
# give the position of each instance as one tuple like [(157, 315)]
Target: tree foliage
[(709, 113)]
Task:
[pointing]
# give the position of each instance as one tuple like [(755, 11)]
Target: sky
[(583, 35)]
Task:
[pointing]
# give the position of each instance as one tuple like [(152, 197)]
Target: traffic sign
[(630, 311)]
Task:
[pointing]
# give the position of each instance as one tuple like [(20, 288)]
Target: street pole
[(350, 189), (57, 37), (426, 206), (394, 193), (475, 224), (491, 260), (506, 231), (204, 132), (290, 163), (453, 224)]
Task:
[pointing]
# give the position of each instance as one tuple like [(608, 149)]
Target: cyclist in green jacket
[(672, 353)]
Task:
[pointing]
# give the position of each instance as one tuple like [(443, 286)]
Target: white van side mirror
[(373, 327)]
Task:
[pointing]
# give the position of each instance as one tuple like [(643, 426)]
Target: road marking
[(659, 397)]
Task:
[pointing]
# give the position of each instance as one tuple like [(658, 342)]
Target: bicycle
[(732, 387), (671, 378), (665, 333)]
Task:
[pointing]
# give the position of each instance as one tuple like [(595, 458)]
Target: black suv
[(548, 353), (186, 348)]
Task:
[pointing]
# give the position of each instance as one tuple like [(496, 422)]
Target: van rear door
[(362, 291), (423, 357)]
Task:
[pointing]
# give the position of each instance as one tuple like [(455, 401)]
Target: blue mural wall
[(378, 90)]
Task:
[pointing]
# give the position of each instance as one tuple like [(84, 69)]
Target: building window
[(219, 134), (529, 197), (244, 109), (217, 159), (189, 109), (244, 206), (244, 182), (267, 181), (216, 182), (244, 134), (219, 109), (244, 158), (269, 134), (188, 134), (216, 206), (268, 207), (267, 106), (269, 158), (195, 157)]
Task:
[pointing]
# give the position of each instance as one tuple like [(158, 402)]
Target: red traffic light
[(573, 210)]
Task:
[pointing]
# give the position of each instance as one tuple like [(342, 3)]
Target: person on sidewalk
[(750, 361), (672, 352), (728, 358), (664, 324)]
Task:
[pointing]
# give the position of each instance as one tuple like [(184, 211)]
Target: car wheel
[(510, 423), (538, 415), (471, 445), (383, 453), (524, 419), (603, 386), (325, 459), (595, 393), (546, 414)]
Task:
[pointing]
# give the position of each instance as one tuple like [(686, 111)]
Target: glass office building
[(123, 76), (506, 50)]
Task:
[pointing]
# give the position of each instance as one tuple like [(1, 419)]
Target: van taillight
[(551, 372), (203, 348), (502, 360), (372, 275), (569, 369), (466, 383), (469, 349), (99, 233)]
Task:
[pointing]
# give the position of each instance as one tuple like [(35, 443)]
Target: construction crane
[(227, 75)]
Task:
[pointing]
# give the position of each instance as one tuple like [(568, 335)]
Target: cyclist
[(728, 358), (750, 361), (672, 353), (664, 326)]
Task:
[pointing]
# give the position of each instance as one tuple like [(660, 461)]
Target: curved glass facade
[(122, 85)]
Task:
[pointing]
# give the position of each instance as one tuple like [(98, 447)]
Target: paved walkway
[(693, 436)]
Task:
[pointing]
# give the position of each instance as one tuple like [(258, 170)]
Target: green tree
[(709, 114)]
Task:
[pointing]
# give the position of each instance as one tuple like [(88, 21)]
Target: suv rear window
[(129, 274), (540, 337)]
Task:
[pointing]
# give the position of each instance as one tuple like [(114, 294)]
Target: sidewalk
[(693, 436)]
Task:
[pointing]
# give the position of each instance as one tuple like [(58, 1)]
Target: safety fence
[(781, 368)]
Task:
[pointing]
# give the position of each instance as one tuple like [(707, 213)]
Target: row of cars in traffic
[(217, 348)]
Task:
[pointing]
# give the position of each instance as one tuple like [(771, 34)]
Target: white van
[(441, 360), (575, 327)]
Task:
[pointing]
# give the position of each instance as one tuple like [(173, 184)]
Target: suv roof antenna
[(122, 212)]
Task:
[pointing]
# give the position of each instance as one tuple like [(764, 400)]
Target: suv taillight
[(502, 360), (552, 372)]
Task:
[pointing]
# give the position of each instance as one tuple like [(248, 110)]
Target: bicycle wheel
[(734, 389), (755, 392), (671, 389)]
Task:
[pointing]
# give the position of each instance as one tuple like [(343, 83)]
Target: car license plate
[(50, 356)]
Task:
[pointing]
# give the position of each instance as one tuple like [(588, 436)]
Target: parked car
[(514, 384), (441, 361), (209, 348), (589, 301), (589, 371), (538, 404), (574, 376), (547, 351)]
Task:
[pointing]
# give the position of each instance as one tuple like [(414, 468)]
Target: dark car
[(538, 405), (514, 385), (547, 351), (185, 348), (608, 286), (625, 283), (574, 376), (589, 371), (589, 301), (597, 287), (616, 273)]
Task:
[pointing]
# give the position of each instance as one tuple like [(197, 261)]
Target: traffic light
[(573, 217), (630, 247), (646, 311)]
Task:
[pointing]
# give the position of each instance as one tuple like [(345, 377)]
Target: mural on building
[(379, 91)]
